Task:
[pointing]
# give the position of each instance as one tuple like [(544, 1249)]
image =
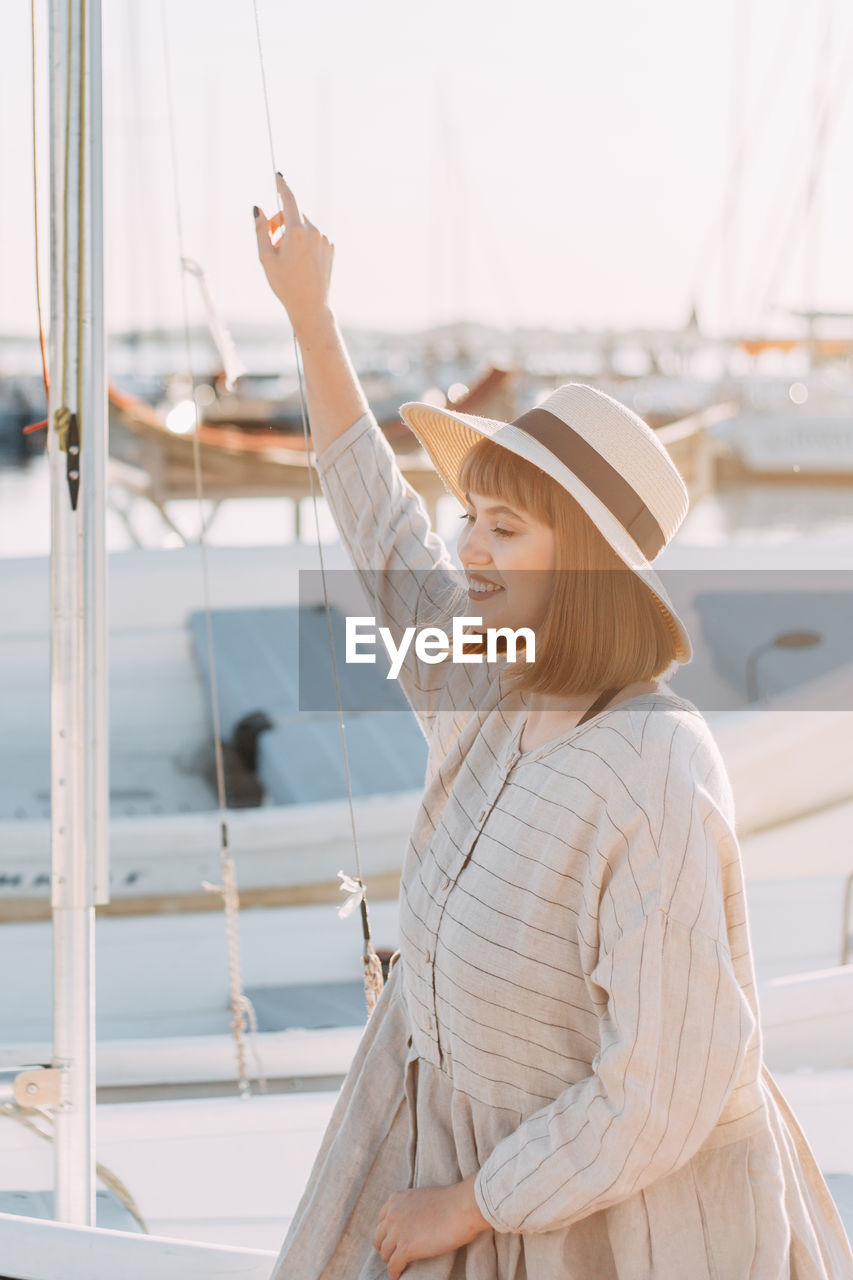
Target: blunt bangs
[(490, 469)]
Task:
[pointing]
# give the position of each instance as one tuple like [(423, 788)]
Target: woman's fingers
[(310, 225), (380, 1237), (288, 216), (262, 231), (297, 260), (396, 1264), (292, 216)]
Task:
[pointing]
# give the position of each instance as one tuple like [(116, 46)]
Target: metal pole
[(77, 452)]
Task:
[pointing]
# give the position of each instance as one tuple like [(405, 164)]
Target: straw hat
[(600, 451)]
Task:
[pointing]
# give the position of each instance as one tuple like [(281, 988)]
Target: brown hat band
[(611, 488)]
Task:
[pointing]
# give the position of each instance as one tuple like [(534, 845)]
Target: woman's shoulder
[(644, 723), (680, 745), (658, 743)]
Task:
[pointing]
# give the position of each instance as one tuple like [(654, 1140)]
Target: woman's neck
[(550, 716)]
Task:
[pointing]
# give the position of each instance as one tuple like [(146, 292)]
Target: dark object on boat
[(245, 738), (278, 659), (243, 787)]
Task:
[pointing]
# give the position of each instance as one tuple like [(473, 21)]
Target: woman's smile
[(480, 589)]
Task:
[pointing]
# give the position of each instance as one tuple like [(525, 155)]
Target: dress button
[(445, 884), (481, 815), (428, 956)]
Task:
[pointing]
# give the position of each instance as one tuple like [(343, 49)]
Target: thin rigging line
[(734, 186), (716, 229), (81, 227), (329, 624), (36, 205), (305, 432), (241, 1006), (460, 176), (265, 96), (372, 967), (811, 255), (827, 117), (67, 151)]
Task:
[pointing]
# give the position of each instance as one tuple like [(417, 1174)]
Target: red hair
[(605, 628)]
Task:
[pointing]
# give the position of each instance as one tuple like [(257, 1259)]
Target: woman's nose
[(473, 547)]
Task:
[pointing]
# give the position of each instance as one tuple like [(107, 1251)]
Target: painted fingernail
[(255, 211), (279, 175)]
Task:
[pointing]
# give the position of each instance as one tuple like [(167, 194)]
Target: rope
[(65, 421), (36, 206), (63, 418), (110, 1180), (241, 1007), (266, 96), (67, 160), (370, 961), (72, 443)]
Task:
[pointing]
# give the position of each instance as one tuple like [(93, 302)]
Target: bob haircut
[(604, 628)]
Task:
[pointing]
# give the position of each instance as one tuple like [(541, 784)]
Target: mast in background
[(78, 452)]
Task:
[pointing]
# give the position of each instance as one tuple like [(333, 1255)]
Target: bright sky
[(556, 162)]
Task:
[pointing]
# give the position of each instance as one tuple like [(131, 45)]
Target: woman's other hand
[(299, 265), (426, 1223)]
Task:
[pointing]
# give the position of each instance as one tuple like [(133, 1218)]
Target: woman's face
[(509, 558)]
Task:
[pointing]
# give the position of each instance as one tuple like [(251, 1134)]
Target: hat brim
[(447, 437)]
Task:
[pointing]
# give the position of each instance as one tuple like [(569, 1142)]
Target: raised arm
[(404, 566), (299, 269)]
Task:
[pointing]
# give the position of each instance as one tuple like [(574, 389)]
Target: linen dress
[(573, 1014)]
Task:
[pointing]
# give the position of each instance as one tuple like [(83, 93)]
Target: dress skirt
[(747, 1210)]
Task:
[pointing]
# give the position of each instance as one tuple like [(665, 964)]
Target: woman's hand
[(426, 1223), (299, 265)]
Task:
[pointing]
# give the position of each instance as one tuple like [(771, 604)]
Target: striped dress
[(573, 1016)]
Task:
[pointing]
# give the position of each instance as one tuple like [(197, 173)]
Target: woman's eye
[(501, 533)]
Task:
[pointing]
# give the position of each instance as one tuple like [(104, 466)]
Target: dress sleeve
[(674, 1030), (404, 567)]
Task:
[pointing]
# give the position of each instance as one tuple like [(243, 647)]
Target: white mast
[(77, 450)]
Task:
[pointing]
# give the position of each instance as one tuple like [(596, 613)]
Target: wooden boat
[(149, 460)]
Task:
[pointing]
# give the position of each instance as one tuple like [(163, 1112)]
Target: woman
[(563, 1076)]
